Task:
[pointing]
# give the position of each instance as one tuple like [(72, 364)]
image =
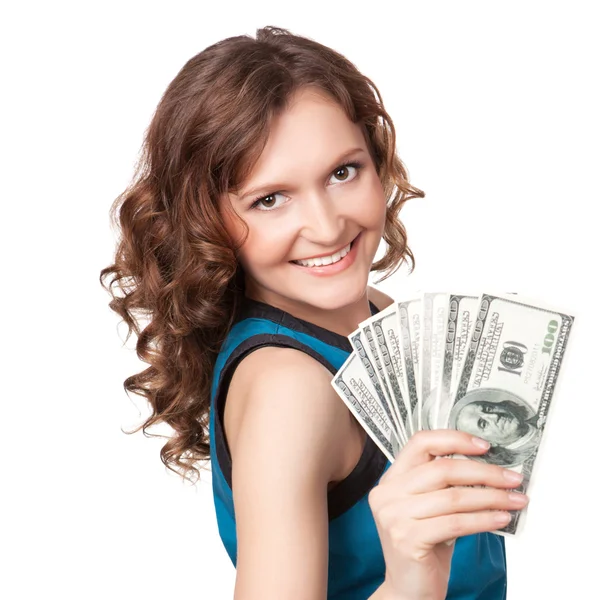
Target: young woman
[(268, 180)]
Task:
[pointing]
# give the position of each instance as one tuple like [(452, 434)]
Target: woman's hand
[(419, 512)]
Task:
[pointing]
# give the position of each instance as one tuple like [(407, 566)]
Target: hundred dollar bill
[(459, 318), (359, 397), (467, 309), (405, 309), (370, 343), (384, 326), (371, 368), (508, 379), (415, 326), (434, 318)]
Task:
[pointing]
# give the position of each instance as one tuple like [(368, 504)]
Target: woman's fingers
[(462, 500), (446, 472), (449, 527), (425, 446)]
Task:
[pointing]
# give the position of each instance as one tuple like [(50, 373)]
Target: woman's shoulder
[(278, 375), (280, 389)]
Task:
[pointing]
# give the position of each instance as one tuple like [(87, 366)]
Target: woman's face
[(311, 207), (492, 423)]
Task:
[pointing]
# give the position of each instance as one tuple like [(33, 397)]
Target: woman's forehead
[(303, 138)]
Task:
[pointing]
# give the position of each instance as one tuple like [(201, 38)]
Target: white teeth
[(324, 260)]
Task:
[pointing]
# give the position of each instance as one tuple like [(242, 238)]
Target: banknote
[(359, 396), (434, 318), (508, 379), (414, 310), (405, 310), (372, 368), (459, 313), (385, 329), (393, 395), (467, 308)]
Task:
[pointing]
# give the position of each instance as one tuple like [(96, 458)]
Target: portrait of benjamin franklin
[(504, 419)]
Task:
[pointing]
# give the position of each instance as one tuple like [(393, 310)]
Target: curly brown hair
[(175, 264)]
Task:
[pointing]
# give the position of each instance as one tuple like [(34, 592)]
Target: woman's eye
[(267, 202), (343, 169)]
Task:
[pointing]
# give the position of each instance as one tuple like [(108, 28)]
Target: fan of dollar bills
[(484, 364)]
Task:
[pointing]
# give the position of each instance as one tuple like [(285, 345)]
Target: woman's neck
[(343, 320)]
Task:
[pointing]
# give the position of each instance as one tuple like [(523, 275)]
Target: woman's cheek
[(264, 248), (374, 214)]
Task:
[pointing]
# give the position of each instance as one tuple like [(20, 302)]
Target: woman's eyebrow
[(272, 186)]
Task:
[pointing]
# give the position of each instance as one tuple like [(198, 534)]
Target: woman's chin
[(337, 298)]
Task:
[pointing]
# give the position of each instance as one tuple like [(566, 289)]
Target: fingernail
[(481, 443), (502, 518), (512, 476), (518, 498)]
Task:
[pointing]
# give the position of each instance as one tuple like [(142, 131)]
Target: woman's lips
[(334, 268)]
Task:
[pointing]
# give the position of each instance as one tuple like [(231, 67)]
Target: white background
[(496, 111)]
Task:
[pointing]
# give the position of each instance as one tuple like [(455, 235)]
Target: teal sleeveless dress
[(356, 564)]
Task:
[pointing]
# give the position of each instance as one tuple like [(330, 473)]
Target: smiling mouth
[(325, 260)]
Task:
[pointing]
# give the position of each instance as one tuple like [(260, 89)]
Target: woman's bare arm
[(288, 435)]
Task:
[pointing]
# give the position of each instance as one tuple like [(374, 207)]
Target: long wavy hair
[(175, 280)]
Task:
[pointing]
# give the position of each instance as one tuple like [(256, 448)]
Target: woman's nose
[(322, 222)]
